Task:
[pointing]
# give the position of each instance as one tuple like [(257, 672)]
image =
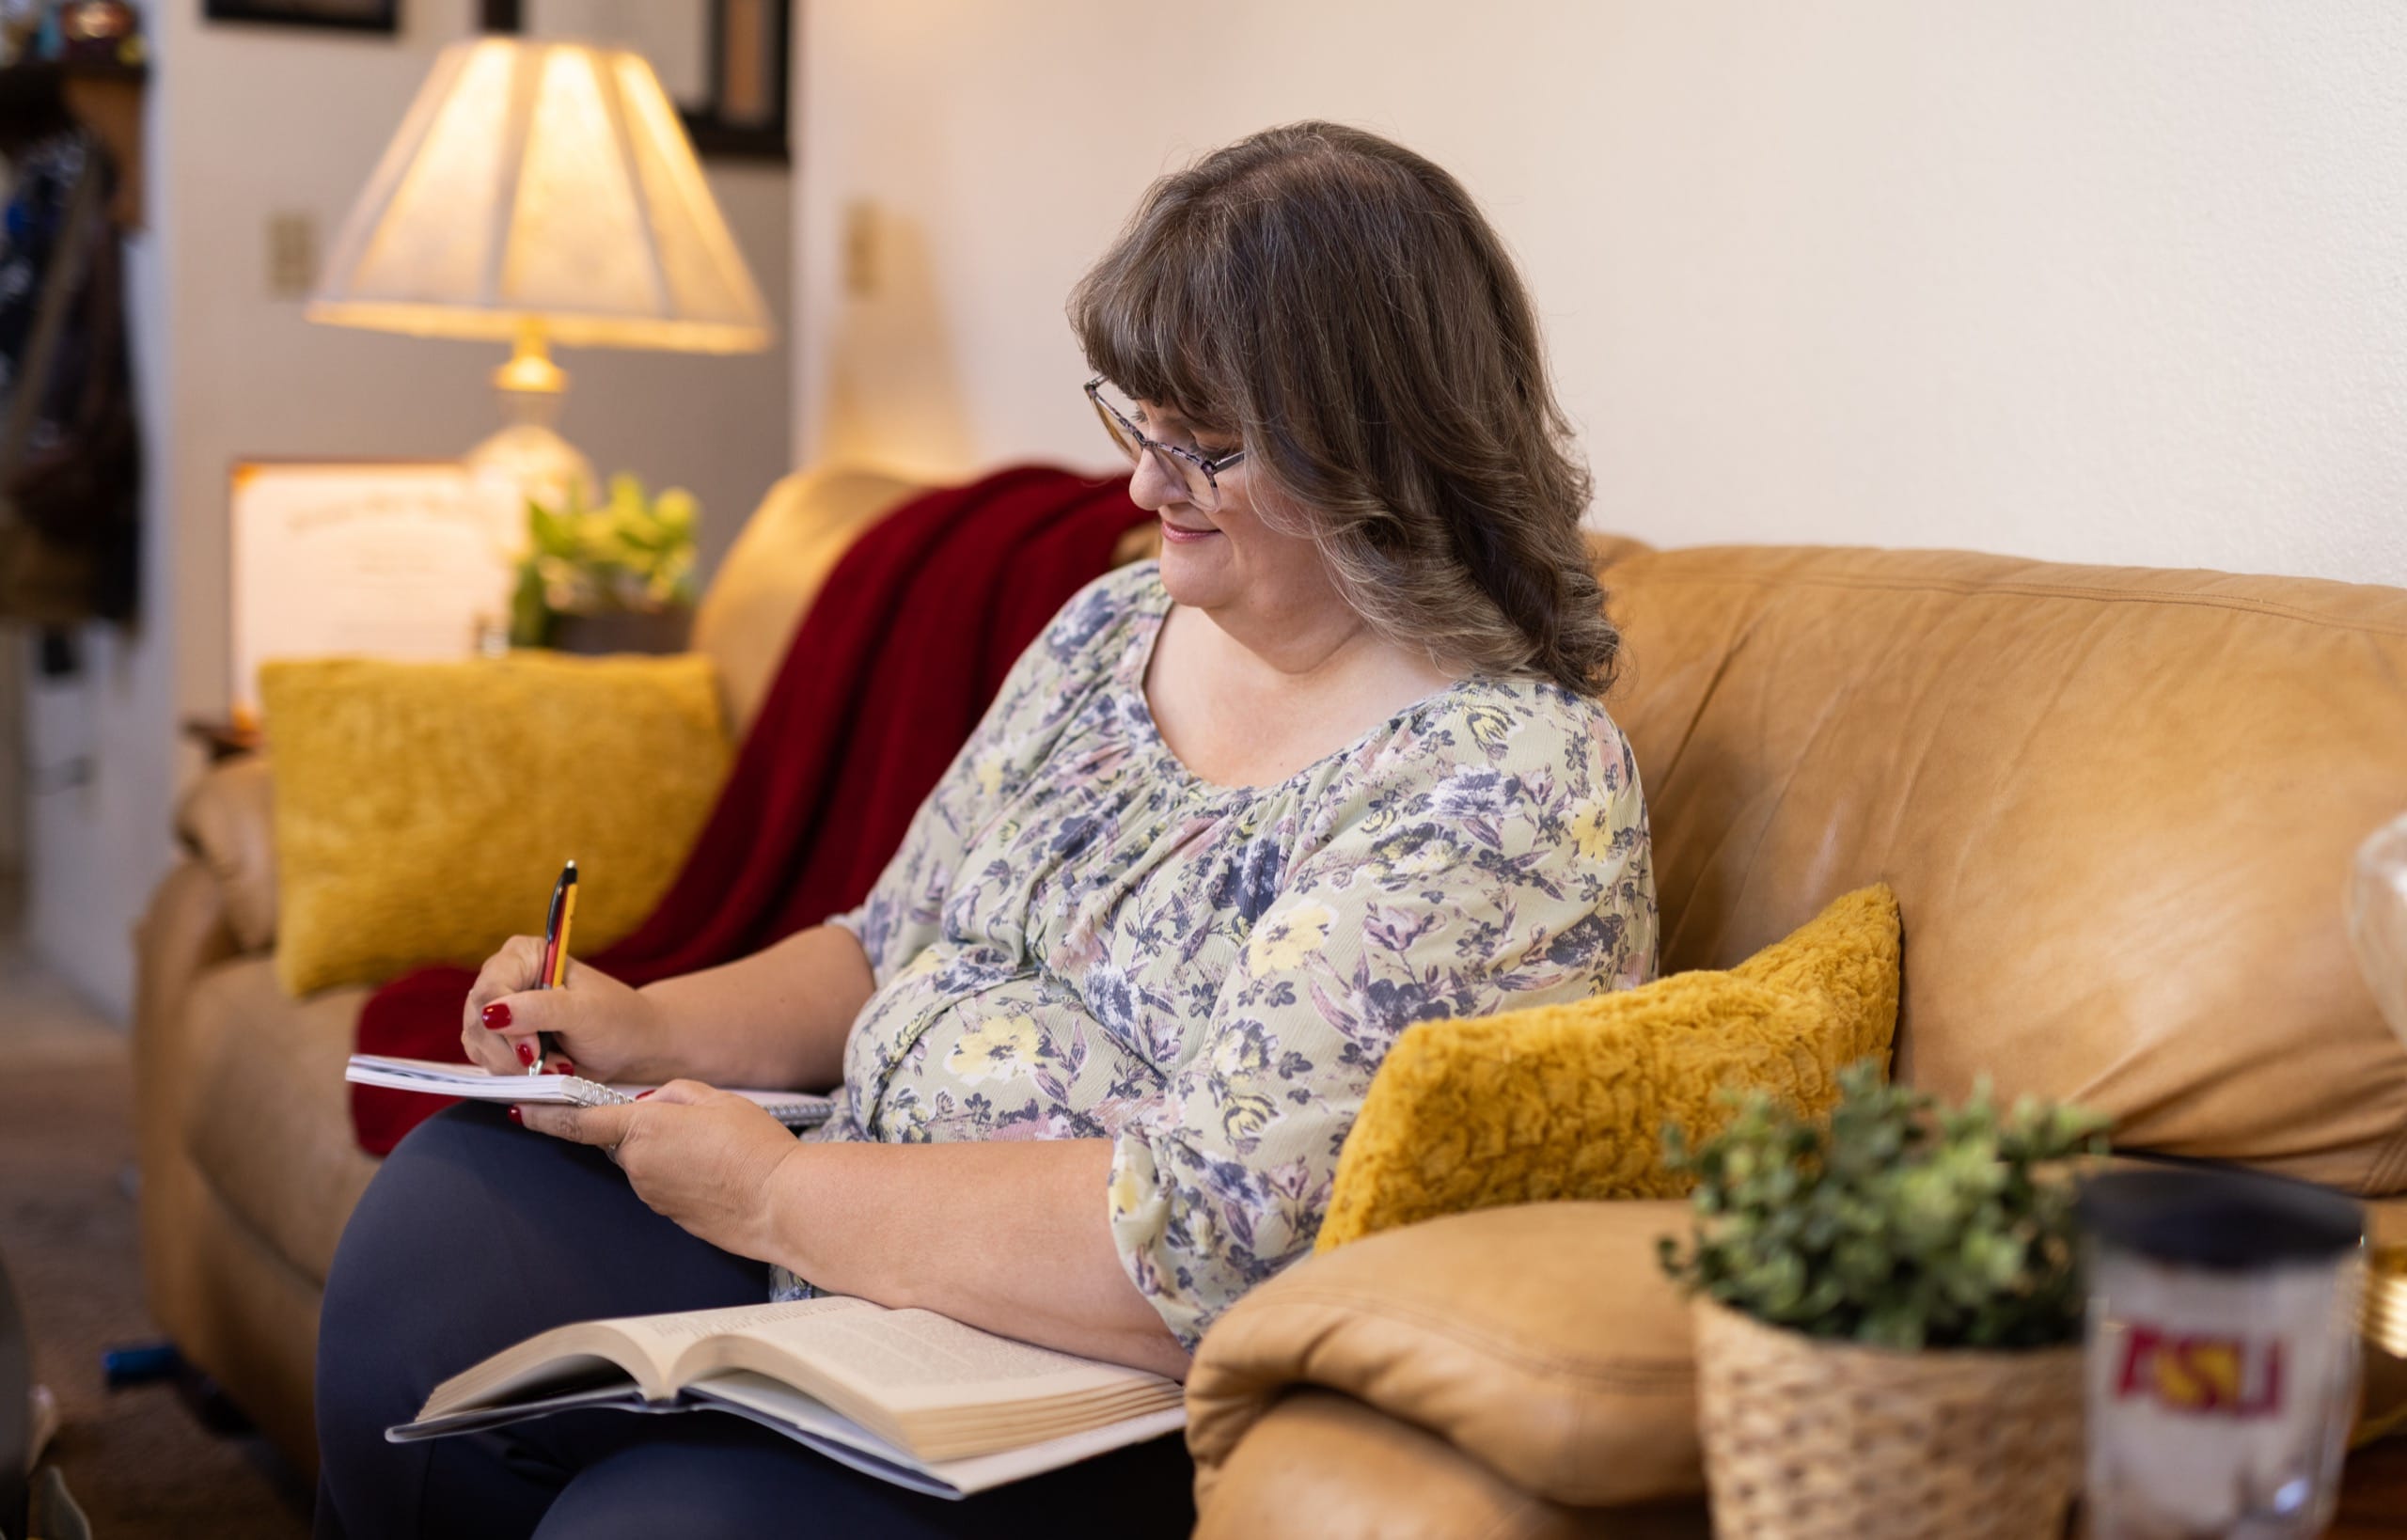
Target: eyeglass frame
[(1111, 413)]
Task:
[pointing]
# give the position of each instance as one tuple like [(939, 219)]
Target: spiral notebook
[(794, 1108)]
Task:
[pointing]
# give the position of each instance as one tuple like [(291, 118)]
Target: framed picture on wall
[(723, 62), (350, 15)]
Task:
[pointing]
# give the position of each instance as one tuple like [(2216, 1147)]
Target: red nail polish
[(514, 1117), (527, 1055), (496, 1015), (642, 1094), (561, 1066)]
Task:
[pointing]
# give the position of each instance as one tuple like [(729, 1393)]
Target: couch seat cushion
[(265, 1114)]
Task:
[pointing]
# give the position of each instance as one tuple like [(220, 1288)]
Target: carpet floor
[(137, 1459)]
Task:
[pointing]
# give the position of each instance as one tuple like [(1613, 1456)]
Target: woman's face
[(1229, 559)]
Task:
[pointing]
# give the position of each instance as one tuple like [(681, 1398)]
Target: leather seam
[(1705, 696), (1972, 589), (1643, 1374)]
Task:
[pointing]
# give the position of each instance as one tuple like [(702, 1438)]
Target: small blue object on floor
[(141, 1363)]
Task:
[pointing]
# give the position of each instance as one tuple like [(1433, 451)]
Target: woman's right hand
[(600, 1029)]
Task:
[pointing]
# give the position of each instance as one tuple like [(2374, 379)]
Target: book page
[(549, 1362), (675, 1332), (647, 1348), (792, 1413), (910, 1359), (916, 1379)]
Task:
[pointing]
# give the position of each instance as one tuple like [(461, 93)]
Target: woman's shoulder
[(1110, 610), (1490, 755), (1516, 727)]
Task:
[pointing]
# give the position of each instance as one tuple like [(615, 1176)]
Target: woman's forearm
[(777, 1018), (1013, 1237)]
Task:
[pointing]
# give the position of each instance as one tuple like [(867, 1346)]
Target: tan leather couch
[(2116, 806)]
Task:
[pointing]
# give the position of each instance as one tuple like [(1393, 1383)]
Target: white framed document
[(407, 560)]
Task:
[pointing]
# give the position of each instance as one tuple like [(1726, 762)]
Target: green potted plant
[(615, 578), (1888, 1314)]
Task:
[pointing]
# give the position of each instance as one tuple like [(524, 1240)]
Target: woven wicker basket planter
[(1807, 1440)]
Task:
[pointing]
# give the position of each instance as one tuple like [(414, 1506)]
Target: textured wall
[(2087, 279)]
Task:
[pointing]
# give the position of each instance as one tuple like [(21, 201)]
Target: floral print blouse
[(1080, 939)]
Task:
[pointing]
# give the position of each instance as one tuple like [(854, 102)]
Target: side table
[(224, 737), (2373, 1494)]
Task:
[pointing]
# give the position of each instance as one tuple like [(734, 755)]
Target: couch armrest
[(181, 935), (1325, 1466), (227, 819), (1542, 1341)]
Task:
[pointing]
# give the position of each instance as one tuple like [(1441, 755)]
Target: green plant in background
[(632, 552), (1901, 1225)]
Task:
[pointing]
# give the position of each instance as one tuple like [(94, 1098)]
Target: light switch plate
[(291, 255)]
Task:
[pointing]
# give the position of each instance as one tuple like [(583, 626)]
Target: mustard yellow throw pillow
[(1569, 1101), (423, 809)]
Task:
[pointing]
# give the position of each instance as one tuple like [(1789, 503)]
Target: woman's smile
[(1174, 530)]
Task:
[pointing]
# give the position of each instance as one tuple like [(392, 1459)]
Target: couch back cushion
[(2117, 807), (746, 618)]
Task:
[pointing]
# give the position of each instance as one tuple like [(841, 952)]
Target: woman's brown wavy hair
[(1338, 305)]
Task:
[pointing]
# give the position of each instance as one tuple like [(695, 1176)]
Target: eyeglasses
[(1200, 475)]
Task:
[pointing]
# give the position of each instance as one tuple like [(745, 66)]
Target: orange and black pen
[(556, 921)]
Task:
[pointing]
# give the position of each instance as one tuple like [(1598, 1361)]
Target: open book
[(794, 1108), (908, 1396)]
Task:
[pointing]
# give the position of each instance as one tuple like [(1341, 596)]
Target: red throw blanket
[(889, 671)]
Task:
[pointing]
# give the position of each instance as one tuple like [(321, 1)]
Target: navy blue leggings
[(477, 1234)]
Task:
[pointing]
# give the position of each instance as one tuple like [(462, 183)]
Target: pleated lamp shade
[(542, 190)]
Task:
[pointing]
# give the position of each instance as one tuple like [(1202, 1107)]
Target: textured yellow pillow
[(423, 809), (1569, 1101)]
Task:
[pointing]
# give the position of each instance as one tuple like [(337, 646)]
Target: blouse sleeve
[(1455, 880), (1048, 684)]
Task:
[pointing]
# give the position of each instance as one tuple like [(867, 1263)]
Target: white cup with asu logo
[(2223, 1352)]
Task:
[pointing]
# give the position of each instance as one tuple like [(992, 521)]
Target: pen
[(557, 920)]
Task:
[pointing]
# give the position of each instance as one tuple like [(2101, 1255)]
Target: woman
[(1334, 766)]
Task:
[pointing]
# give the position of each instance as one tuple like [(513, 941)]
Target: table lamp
[(542, 192)]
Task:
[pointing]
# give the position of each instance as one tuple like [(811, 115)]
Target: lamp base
[(539, 463), (528, 454)]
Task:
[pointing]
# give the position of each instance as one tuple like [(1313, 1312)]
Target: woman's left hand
[(704, 1157)]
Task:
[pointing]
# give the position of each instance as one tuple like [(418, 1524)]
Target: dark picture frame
[(384, 16), (718, 127)]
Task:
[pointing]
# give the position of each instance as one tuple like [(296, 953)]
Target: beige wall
[(246, 123), (2112, 281)]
